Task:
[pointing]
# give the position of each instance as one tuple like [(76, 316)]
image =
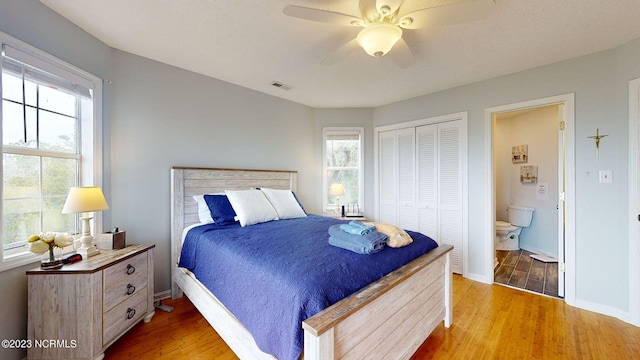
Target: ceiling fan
[(383, 22)]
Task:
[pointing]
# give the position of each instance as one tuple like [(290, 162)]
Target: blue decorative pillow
[(299, 203), (221, 210)]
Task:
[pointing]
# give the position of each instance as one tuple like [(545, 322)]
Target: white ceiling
[(251, 43)]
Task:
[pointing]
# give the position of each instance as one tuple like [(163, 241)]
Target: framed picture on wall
[(529, 174), (519, 154)]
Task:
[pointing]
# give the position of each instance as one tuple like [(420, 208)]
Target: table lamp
[(85, 200), (336, 190)]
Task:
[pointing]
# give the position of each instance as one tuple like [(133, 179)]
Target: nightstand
[(77, 311)]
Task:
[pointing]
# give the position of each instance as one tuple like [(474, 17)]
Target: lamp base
[(88, 251), (87, 248)]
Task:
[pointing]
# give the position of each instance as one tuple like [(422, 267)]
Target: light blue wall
[(163, 116), (600, 83)]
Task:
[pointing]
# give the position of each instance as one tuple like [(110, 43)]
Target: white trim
[(96, 151), (413, 123), (462, 116), (465, 193), (570, 236), (21, 260), (634, 204), (46, 61), (51, 63), (601, 309)]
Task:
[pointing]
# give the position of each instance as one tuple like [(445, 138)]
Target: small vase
[(49, 261)]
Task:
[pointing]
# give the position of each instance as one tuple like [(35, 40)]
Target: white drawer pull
[(130, 289), (131, 313), (130, 269)]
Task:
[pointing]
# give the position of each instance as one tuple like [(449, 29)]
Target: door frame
[(634, 202), (568, 100)]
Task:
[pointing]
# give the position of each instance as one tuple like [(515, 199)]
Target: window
[(342, 149), (48, 117)]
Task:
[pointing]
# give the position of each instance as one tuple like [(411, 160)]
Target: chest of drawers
[(77, 311)]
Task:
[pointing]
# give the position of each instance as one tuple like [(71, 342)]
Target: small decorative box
[(111, 240)]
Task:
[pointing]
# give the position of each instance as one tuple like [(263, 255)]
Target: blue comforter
[(274, 275)]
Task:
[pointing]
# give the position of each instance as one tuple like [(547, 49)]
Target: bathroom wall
[(538, 129)]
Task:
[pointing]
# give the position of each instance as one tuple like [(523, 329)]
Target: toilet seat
[(505, 226)]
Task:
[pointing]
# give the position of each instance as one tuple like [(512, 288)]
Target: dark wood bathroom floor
[(516, 268)]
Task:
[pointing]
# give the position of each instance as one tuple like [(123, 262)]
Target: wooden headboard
[(189, 181)]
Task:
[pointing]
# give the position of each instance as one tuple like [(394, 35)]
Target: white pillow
[(285, 203), (251, 206), (204, 214)]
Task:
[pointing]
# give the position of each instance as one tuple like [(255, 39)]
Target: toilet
[(508, 233)]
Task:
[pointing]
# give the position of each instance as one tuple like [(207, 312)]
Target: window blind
[(38, 71)]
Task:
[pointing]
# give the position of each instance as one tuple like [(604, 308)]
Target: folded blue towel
[(369, 243), (357, 228), (359, 224)]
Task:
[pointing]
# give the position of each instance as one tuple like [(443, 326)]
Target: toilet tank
[(520, 215)]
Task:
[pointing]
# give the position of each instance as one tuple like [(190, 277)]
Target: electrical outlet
[(606, 176)]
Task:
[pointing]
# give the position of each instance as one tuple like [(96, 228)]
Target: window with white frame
[(342, 165), (50, 119)]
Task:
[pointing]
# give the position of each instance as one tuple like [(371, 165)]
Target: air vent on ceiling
[(280, 85)]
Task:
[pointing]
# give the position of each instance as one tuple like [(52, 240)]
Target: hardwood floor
[(489, 322)]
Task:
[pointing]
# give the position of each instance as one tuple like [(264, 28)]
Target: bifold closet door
[(406, 198), (387, 177), (420, 182), (427, 179), (439, 184), (450, 189), (397, 178)]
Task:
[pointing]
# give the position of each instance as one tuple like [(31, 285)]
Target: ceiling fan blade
[(388, 7), (321, 15), (447, 14), (401, 54), (341, 52)]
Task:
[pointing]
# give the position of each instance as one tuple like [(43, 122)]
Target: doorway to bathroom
[(532, 168)]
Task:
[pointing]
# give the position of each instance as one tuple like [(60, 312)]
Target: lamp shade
[(84, 199), (378, 39), (336, 190)]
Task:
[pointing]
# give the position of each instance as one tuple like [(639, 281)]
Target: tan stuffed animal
[(397, 237)]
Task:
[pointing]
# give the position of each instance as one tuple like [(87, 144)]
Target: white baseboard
[(538, 251), (604, 310), (478, 277), (163, 295)]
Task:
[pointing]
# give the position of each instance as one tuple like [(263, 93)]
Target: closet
[(421, 170)]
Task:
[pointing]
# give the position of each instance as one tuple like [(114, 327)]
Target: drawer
[(124, 315), (125, 269), (124, 280)]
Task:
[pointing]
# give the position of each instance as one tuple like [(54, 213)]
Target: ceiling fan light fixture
[(406, 21), (385, 10), (378, 39)]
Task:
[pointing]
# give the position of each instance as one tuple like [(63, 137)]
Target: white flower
[(61, 240), (38, 247), (48, 236)]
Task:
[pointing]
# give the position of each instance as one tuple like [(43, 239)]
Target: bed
[(402, 308)]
